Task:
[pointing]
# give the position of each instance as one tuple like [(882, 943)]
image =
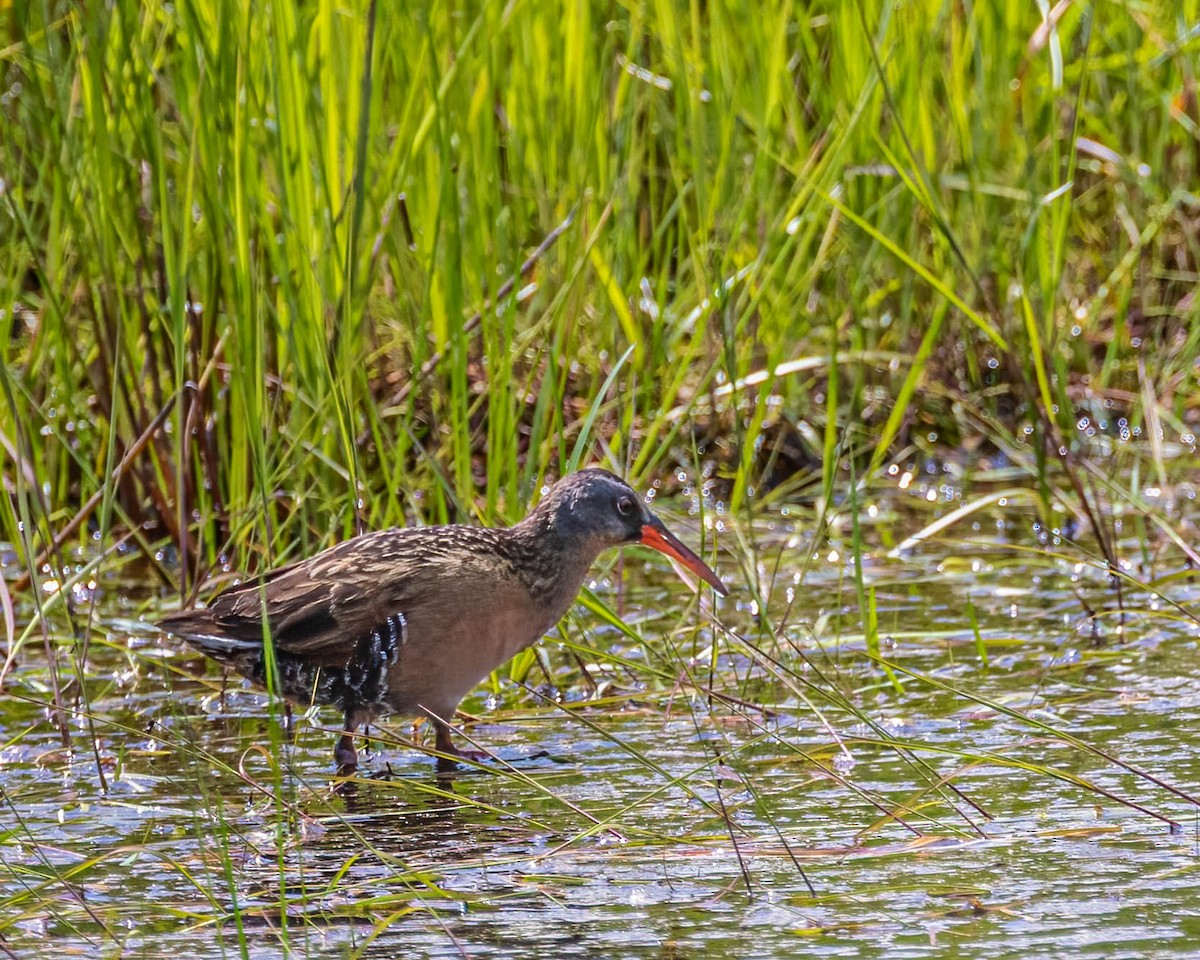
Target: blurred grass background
[(763, 237)]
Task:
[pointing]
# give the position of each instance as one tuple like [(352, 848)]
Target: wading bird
[(407, 621)]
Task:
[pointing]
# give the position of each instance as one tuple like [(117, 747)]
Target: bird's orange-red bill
[(658, 537)]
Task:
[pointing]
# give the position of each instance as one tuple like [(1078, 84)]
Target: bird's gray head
[(594, 507), (593, 510)]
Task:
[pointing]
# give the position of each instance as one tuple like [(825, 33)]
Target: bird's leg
[(345, 754), (445, 744)]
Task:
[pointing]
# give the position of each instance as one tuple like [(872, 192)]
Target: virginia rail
[(408, 620)]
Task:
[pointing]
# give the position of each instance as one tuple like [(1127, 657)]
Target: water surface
[(819, 809)]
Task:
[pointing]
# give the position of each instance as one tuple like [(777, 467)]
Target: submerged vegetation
[(860, 282)]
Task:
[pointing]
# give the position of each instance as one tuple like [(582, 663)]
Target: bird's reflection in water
[(432, 831), (430, 816)]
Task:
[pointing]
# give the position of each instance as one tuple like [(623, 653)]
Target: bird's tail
[(200, 630), (296, 678)]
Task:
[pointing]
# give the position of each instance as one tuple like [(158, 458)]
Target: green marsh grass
[(316, 201), (271, 276)]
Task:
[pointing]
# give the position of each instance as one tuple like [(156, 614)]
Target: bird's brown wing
[(319, 607)]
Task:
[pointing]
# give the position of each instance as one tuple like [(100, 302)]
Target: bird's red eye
[(624, 506)]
